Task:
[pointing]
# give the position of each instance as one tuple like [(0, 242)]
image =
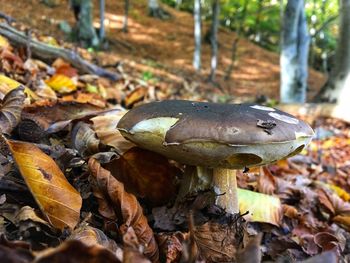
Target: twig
[(49, 53)]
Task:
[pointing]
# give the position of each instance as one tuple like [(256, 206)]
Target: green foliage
[(262, 21)]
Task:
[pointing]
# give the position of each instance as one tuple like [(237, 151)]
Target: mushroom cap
[(215, 135)]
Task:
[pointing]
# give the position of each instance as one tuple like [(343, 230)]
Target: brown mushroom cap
[(215, 135)]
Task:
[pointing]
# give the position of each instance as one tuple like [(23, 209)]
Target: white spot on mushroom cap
[(283, 118), (158, 126), (259, 107)]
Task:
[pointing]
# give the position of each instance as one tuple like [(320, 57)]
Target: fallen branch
[(311, 111), (8, 18), (49, 53)]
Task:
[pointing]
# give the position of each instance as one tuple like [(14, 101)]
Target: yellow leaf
[(336, 189), (61, 83), (7, 84), (261, 207), (57, 199), (4, 43)]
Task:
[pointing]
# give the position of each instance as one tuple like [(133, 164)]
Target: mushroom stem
[(225, 185), (196, 178)]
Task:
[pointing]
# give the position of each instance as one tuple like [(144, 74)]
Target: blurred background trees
[(305, 33)]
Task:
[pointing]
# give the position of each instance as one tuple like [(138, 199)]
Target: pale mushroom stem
[(225, 183)]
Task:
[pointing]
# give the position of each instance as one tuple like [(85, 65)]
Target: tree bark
[(214, 40), (102, 20), (126, 15), (156, 11), (197, 35), (84, 30), (336, 89), (235, 42), (294, 53)]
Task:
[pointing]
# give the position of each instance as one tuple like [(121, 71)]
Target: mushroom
[(216, 138)]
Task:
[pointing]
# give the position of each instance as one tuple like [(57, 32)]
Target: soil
[(163, 49)]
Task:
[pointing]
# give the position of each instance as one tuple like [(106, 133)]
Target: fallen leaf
[(123, 206), (105, 126), (4, 44), (326, 241), (145, 174), (61, 83), (11, 109), (15, 251), (91, 236), (216, 242), (57, 199), (261, 207), (252, 251), (135, 96), (7, 84), (171, 245), (266, 181), (73, 251), (84, 139)]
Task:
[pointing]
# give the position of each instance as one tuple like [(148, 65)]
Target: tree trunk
[(126, 15), (336, 90), (84, 30), (102, 20), (214, 40), (235, 42), (197, 35), (294, 53), (156, 11)]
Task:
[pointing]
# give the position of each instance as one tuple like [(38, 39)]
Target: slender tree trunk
[(257, 33), (126, 15), (84, 30), (235, 42), (156, 11), (102, 20), (337, 88), (294, 55), (197, 34), (214, 40)]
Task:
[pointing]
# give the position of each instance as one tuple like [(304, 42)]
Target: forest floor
[(162, 50), (72, 189)]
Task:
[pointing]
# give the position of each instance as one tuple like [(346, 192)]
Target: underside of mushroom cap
[(215, 135)]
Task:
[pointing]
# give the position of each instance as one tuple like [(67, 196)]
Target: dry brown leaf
[(73, 251), (171, 245), (252, 252), (216, 242), (105, 127), (46, 117), (112, 196), (326, 241), (266, 181), (10, 110), (57, 199), (84, 139), (91, 236), (145, 174)]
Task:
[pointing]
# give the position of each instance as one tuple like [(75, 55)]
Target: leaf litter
[(117, 203)]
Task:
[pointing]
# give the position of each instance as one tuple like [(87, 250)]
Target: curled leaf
[(145, 174), (75, 251), (91, 236), (84, 139), (112, 196), (10, 110), (57, 199), (261, 207), (105, 127)]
